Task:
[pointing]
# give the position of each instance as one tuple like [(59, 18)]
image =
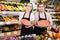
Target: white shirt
[(42, 15), (31, 16)]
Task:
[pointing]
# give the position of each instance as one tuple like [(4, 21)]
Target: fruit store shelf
[(55, 19), (54, 12), (11, 12), (9, 22), (7, 34)]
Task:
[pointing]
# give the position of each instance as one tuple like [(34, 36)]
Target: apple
[(6, 28)]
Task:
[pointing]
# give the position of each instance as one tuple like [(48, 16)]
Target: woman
[(39, 16), (27, 30)]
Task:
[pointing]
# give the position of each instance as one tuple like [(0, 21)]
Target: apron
[(24, 30), (42, 30)]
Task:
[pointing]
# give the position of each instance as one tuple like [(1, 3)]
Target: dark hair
[(40, 4)]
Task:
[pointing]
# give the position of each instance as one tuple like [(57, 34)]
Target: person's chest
[(41, 15), (26, 15)]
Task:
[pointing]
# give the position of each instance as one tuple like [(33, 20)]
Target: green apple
[(6, 28)]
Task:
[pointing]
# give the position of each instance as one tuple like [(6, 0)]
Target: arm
[(49, 18), (20, 17), (54, 27), (32, 19)]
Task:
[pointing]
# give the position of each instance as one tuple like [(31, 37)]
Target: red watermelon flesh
[(43, 23), (26, 22)]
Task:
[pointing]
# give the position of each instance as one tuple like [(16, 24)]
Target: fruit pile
[(8, 28), (3, 7), (57, 7), (7, 18), (56, 16), (39, 37), (12, 6)]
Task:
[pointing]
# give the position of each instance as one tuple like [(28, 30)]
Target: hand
[(27, 26), (19, 22)]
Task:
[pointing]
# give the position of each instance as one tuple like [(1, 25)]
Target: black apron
[(38, 30), (26, 31)]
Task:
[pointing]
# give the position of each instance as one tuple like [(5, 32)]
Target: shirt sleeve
[(32, 18), (50, 19)]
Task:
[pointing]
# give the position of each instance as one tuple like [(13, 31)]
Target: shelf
[(7, 34), (54, 12), (56, 19), (12, 22), (11, 13), (9, 22)]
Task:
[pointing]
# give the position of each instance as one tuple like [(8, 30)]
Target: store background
[(53, 6)]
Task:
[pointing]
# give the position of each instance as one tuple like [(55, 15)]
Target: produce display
[(58, 35), (16, 6), (9, 22), (11, 38), (3, 7), (8, 28), (1, 18), (12, 6), (57, 7), (56, 16), (18, 38), (7, 18)]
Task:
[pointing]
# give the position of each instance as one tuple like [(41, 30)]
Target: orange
[(58, 35)]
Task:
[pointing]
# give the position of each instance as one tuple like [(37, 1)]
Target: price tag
[(29, 36), (15, 32), (33, 34), (52, 12), (8, 22), (26, 36), (1, 23), (2, 34), (3, 12), (8, 33), (14, 21), (22, 36)]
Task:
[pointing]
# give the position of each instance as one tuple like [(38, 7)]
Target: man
[(39, 16)]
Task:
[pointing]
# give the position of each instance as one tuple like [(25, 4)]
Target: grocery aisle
[(11, 12)]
